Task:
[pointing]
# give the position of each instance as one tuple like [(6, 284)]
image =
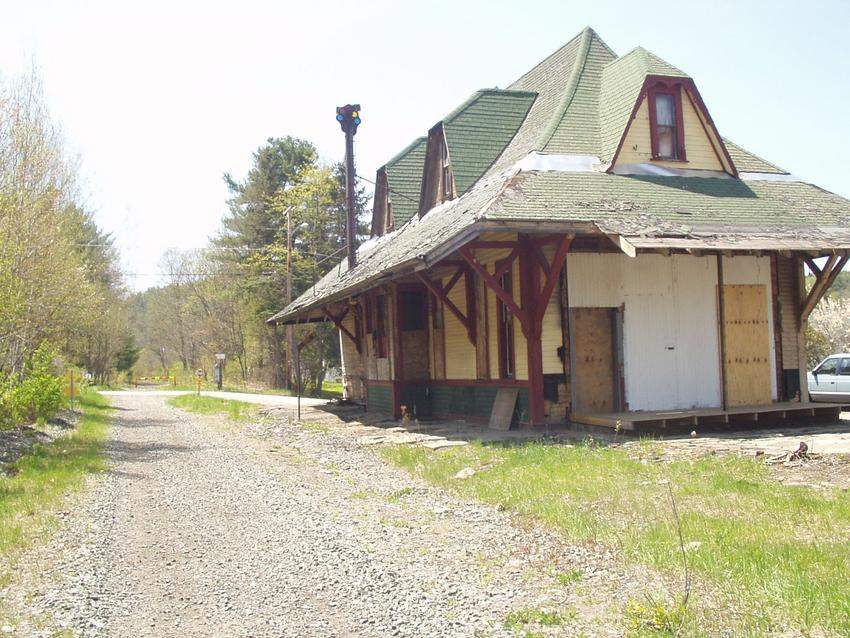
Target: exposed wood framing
[(823, 280), (534, 298), (337, 321), (442, 293)]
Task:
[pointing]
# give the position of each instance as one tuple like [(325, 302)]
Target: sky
[(158, 99)]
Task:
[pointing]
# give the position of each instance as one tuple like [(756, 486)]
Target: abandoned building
[(584, 246)]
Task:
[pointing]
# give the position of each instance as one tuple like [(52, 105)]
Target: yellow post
[(71, 387)]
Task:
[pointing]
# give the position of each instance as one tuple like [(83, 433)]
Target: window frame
[(674, 90), (379, 336)]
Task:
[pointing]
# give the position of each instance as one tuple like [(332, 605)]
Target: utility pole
[(348, 117), (290, 329)]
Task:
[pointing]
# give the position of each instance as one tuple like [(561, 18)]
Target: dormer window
[(666, 126), (448, 187)]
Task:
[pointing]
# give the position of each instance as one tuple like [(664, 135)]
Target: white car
[(830, 380)]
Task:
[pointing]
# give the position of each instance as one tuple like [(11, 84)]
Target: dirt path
[(272, 529)]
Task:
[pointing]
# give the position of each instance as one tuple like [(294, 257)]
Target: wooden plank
[(502, 413), (594, 375), (747, 345)]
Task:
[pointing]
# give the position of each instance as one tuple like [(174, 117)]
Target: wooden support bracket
[(824, 278), (337, 321), (442, 293)]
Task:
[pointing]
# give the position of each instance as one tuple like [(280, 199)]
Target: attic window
[(448, 187), (666, 125)]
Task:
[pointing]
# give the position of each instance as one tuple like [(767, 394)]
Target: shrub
[(35, 397)]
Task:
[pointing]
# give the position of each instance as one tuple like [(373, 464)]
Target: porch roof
[(648, 211)]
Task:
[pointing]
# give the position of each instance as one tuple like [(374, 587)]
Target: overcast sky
[(159, 98)]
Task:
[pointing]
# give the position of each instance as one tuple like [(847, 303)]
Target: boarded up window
[(747, 343)]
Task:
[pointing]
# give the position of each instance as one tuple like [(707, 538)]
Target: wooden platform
[(747, 416)]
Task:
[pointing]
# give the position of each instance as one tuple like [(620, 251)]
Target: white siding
[(670, 341)]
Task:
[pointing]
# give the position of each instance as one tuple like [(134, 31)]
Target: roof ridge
[(569, 90), (395, 158), (552, 55)]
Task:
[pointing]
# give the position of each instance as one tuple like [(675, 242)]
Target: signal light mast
[(348, 117)]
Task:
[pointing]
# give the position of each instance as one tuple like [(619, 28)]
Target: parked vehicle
[(830, 380)]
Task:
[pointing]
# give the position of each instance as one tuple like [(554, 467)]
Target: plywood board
[(502, 412), (594, 351), (747, 338)]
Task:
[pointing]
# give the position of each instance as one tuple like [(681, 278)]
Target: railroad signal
[(348, 117)]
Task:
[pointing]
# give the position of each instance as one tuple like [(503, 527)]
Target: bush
[(37, 396)]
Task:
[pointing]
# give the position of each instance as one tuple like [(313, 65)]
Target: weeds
[(45, 475), (522, 617), (773, 554), (234, 410), (569, 577)]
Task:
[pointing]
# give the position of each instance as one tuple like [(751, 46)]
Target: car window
[(844, 368), (830, 366)]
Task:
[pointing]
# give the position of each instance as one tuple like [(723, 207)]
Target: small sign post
[(199, 374), (218, 369)]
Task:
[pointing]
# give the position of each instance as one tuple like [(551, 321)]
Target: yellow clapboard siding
[(460, 353), (637, 147), (488, 257)]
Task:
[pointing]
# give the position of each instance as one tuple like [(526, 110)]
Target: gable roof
[(622, 82), (404, 178), (544, 166)]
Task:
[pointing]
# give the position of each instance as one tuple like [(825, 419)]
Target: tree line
[(287, 214), (62, 300)]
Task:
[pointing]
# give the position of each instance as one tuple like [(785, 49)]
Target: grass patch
[(571, 577), (45, 475), (398, 495), (522, 617), (655, 618), (778, 554), (234, 410)]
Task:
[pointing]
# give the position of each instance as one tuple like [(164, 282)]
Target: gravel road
[(205, 528)]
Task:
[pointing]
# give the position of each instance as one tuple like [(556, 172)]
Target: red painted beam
[(493, 284), (553, 274)]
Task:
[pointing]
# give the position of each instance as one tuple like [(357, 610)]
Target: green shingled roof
[(404, 178), (479, 129), (648, 204), (576, 102)]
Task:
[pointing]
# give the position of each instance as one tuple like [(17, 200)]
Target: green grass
[(45, 475), (235, 410), (329, 390), (523, 617), (778, 555)]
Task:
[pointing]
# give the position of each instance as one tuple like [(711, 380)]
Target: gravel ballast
[(202, 527)]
